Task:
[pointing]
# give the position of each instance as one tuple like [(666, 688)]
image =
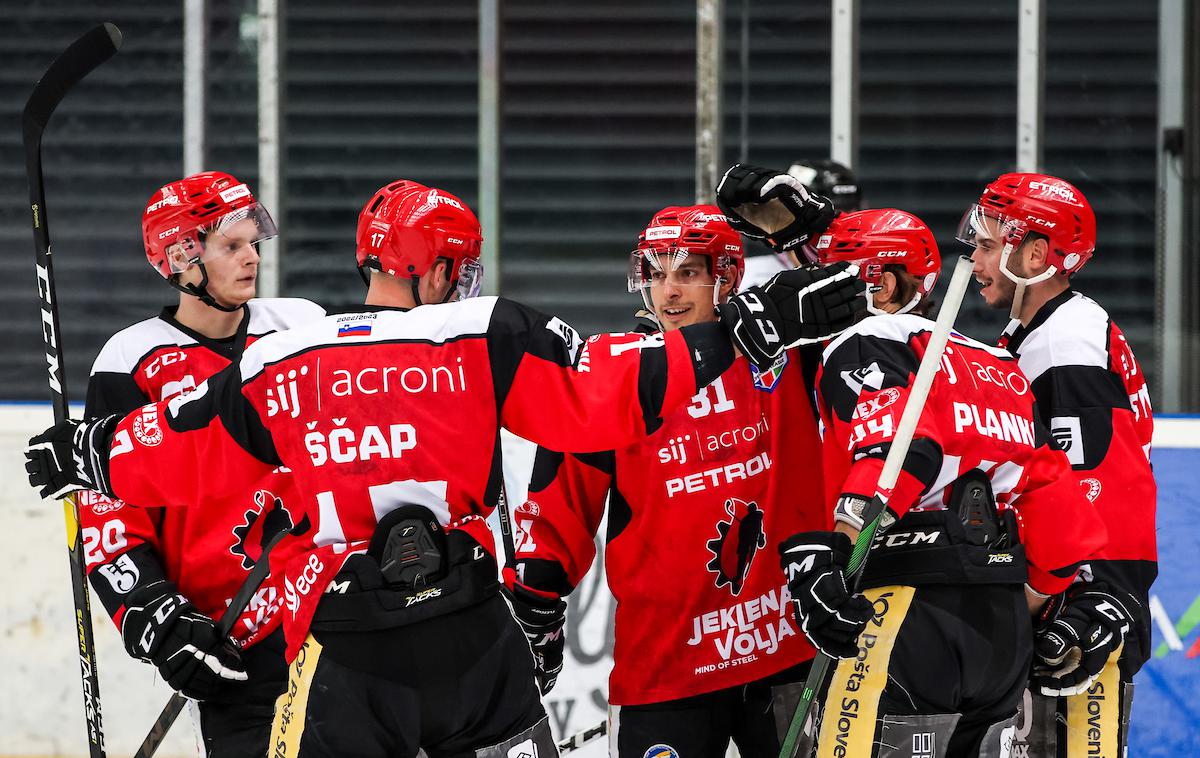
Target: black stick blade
[(76, 62)]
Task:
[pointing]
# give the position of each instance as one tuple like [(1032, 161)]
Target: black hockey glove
[(1077, 633), (162, 627), (796, 307), (542, 621), (772, 206), (814, 564), (71, 455)]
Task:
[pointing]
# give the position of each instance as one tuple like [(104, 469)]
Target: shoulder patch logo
[(870, 377), (766, 380), (1069, 436), (574, 342)]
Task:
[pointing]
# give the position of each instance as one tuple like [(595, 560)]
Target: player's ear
[(1039, 254), (887, 286), (1034, 254)]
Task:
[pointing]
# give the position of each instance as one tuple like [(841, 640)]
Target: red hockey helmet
[(406, 226), (392, 191), (1018, 204), (879, 237), (182, 214), (678, 231)]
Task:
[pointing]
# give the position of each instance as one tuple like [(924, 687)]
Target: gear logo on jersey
[(767, 379), (264, 521), (1091, 488), (737, 542)]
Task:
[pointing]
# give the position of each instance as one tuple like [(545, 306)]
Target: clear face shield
[(470, 279), (983, 228), (652, 269), (232, 233)]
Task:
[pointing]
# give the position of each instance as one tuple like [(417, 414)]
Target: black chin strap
[(414, 281), (201, 291)]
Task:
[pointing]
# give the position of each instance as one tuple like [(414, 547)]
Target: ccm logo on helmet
[(172, 231), (891, 254), (1054, 189)]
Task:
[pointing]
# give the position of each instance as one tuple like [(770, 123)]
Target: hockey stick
[(76, 62), (257, 575), (873, 513), (506, 529), (579, 739)]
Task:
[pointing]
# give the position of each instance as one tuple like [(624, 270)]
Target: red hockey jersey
[(382, 408), (207, 551), (696, 513), (1092, 394), (979, 415)]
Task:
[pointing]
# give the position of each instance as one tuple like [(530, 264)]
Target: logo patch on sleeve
[(766, 380)]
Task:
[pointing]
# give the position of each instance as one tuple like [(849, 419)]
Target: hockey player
[(825, 178), (1030, 234), (980, 511), (165, 574), (389, 419), (710, 494)]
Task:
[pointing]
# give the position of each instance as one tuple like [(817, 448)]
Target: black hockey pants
[(940, 671), (753, 716), (238, 724), (450, 685)]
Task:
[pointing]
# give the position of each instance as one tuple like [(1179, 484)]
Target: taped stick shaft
[(925, 373)]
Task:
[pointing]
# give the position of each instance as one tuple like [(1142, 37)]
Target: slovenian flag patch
[(354, 330)]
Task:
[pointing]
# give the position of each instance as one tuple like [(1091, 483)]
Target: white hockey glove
[(772, 206), (832, 618), (1078, 631), (71, 455), (796, 307)]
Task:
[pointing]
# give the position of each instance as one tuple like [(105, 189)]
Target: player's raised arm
[(614, 388)]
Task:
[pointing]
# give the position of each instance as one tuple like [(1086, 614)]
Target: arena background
[(566, 125)]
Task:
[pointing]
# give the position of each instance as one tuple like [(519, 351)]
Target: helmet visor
[(470, 279), (985, 227), (232, 233), (650, 267)]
